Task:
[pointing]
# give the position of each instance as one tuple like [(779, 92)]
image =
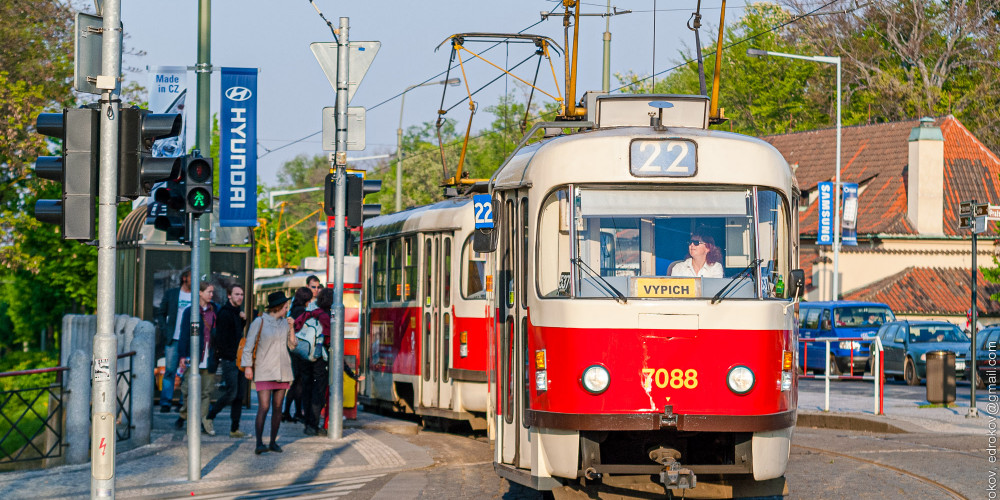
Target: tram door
[(435, 392), (512, 331)]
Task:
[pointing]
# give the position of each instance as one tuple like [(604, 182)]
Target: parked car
[(844, 319), (987, 364), (906, 344)]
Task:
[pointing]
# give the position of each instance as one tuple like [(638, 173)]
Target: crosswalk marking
[(309, 491)]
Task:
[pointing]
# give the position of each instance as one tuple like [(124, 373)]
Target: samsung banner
[(238, 148), (824, 231), (849, 236)]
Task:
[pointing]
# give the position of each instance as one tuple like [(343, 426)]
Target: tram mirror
[(484, 240), (796, 283)]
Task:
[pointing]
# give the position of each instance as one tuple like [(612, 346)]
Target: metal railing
[(877, 368), (123, 422), (31, 418)]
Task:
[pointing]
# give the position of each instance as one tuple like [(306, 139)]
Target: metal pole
[(826, 376), (203, 133), (973, 409), (836, 202), (399, 154), (606, 80), (104, 394), (336, 408), (194, 376)]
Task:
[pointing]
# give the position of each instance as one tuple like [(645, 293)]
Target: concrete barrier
[(76, 433)]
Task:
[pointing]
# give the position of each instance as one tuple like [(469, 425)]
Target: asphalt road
[(823, 464)]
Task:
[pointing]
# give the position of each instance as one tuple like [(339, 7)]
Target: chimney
[(925, 178)]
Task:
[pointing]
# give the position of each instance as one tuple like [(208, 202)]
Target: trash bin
[(940, 377)]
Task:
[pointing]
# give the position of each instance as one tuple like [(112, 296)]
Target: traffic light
[(170, 216), (197, 173), (357, 189), (138, 170), (76, 169)]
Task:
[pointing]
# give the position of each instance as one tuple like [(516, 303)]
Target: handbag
[(242, 346)]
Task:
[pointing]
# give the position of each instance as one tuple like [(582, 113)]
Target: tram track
[(949, 491)]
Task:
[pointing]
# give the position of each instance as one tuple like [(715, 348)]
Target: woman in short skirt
[(271, 370)]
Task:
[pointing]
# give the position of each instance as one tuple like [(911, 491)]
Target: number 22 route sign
[(482, 205)]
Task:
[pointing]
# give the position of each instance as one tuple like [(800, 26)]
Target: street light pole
[(399, 137), (836, 187)]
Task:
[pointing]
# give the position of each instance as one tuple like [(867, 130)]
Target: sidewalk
[(159, 470), (906, 415)]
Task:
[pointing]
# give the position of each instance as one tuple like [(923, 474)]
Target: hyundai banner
[(849, 236), (824, 231), (237, 148)]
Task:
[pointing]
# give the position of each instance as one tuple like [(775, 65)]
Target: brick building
[(911, 177)]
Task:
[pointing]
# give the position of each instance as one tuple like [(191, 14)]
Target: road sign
[(993, 212), (979, 227), (980, 209), (965, 208), (355, 128), (360, 59), (964, 221), (87, 53)]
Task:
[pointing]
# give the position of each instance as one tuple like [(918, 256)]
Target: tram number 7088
[(675, 379)]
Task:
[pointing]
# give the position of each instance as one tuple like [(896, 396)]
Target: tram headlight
[(596, 379), (740, 379)]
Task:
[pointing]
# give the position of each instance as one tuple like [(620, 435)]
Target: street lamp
[(836, 188), (399, 137)]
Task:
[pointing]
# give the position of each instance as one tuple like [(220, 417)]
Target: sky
[(274, 36)]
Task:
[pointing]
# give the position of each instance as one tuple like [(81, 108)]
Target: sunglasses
[(696, 242)]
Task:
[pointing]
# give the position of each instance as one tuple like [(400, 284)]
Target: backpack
[(242, 347), (309, 346)]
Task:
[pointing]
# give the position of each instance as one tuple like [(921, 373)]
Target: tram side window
[(552, 255), (446, 287), (379, 264), (410, 268), (473, 272), (395, 270)]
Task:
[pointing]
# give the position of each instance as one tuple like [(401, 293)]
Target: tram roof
[(722, 158), (444, 215)]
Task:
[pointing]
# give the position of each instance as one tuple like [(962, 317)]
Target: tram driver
[(704, 259)]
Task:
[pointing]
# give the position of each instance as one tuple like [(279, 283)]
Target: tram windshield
[(663, 244)]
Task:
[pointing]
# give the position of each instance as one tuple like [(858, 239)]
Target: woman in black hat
[(269, 365)]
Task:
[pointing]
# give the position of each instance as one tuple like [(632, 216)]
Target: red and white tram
[(424, 313), (608, 367)]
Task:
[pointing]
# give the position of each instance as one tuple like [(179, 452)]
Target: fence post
[(77, 432), (143, 365)]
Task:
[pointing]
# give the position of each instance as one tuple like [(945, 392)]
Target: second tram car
[(424, 313), (612, 363)]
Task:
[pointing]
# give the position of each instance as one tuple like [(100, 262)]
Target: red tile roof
[(927, 290), (876, 156)]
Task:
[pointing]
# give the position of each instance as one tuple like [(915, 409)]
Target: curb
[(849, 422)]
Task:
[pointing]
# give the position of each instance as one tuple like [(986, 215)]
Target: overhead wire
[(738, 42), (268, 151)]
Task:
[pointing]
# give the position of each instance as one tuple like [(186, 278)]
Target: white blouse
[(686, 268)]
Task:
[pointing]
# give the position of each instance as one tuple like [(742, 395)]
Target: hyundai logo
[(238, 93)]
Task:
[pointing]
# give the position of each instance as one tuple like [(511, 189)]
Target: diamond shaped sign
[(359, 59)]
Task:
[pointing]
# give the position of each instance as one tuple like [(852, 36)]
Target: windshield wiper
[(608, 287), (726, 290)]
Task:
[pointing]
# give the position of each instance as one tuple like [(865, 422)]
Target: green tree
[(759, 96)]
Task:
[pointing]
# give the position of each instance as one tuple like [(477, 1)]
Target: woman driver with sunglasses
[(703, 261)]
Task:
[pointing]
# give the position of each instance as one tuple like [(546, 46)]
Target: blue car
[(906, 344), (843, 319)]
